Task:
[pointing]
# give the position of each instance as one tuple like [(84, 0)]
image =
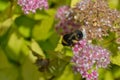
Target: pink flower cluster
[(61, 12), (88, 58), (65, 25), (94, 16), (32, 5)]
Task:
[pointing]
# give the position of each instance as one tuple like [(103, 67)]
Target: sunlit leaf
[(116, 59), (4, 26), (67, 74), (115, 69), (53, 41), (73, 2), (35, 47), (7, 70), (42, 31), (9, 74), (25, 24), (14, 47), (4, 63), (108, 76), (3, 4), (113, 3), (29, 71)]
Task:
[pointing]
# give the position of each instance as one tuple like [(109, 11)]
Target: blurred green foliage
[(18, 31)]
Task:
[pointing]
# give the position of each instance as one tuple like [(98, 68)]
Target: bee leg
[(74, 41)]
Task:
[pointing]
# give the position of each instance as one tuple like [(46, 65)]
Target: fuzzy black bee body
[(71, 38)]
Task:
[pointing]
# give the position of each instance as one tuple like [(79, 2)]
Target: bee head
[(79, 34)]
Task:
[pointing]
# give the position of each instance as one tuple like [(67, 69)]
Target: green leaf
[(24, 21), (73, 2), (14, 46), (9, 74), (108, 76), (4, 63), (3, 5), (7, 70), (52, 41), (25, 25), (116, 59), (67, 74), (4, 26), (35, 47), (42, 31), (113, 3), (29, 71), (115, 69), (25, 31)]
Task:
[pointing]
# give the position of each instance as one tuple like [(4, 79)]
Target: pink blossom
[(61, 12), (88, 58), (65, 25), (32, 5)]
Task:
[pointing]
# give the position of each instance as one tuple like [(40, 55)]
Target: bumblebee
[(71, 38)]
